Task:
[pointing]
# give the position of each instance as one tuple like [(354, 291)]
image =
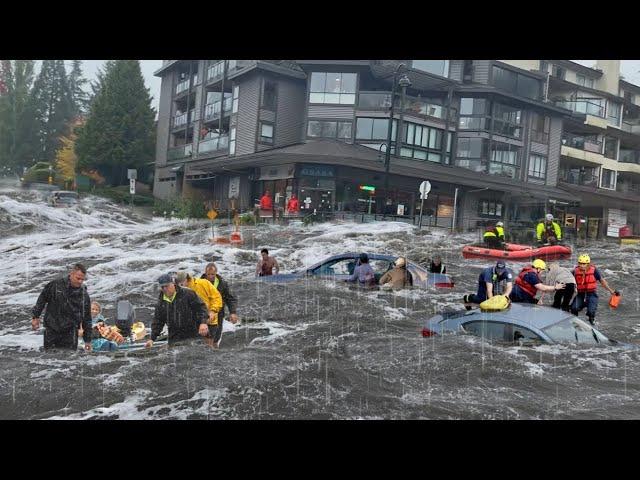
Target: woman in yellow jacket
[(209, 295)]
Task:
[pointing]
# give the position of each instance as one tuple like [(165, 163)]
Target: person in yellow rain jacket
[(209, 295), (548, 231)]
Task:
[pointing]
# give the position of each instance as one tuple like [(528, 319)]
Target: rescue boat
[(514, 251)]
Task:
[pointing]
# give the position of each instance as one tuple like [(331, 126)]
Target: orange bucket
[(614, 301)]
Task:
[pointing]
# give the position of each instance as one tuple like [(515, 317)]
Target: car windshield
[(67, 196), (574, 330)]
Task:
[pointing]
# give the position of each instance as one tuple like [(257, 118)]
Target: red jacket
[(586, 281), (293, 205), (526, 286), (266, 203)]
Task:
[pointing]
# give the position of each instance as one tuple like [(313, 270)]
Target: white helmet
[(499, 224), (549, 217)]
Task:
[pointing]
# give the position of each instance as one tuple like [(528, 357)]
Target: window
[(471, 154), (437, 67), (504, 160), (537, 166), (490, 208), (608, 180), (629, 97), (558, 72), (613, 113), (574, 330), (516, 82), (502, 332), (330, 129), (232, 141), (473, 112), (374, 128), (334, 88), (584, 81), (269, 97), (611, 148), (266, 132), (540, 128), (424, 138), (236, 94), (506, 120)]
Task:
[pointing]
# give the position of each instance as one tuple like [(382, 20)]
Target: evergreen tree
[(119, 134), (53, 106), (18, 139), (79, 97), (97, 85)]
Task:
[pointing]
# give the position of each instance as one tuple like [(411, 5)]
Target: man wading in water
[(266, 264)]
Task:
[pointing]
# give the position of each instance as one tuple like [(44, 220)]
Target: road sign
[(132, 173), (132, 186), (368, 188), (425, 188), (212, 214)]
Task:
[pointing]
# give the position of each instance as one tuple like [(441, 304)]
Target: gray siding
[(164, 120), (291, 109), (455, 69), (267, 115), (539, 148), (326, 111), (555, 142), (247, 117), (481, 70)]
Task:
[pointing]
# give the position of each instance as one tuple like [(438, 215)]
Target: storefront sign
[(617, 219), (400, 209), (277, 172), (316, 171), (234, 187)]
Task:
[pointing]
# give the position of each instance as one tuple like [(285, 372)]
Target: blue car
[(521, 323), (340, 267)]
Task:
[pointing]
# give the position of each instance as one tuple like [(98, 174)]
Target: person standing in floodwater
[(266, 264)]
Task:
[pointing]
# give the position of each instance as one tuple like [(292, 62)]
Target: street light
[(404, 82)]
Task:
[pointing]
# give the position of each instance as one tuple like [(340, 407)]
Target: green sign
[(368, 188)]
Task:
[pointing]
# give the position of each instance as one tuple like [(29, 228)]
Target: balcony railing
[(413, 105), (214, 144), (629, 156), (182, 151), (184, 85), (215, 71), (212, 110), (234, 65), (181, 120), (582, 106), (626, 187), (581, 142), (631, 128), (575, 178)]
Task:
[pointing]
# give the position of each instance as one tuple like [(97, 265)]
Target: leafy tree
[(66, 159), (52, 103), (119, 133), (79, 97)]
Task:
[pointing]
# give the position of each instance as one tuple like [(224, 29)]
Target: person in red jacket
[(265, 201), (587, 278), (293, 205)]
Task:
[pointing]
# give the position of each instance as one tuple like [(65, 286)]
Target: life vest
[(586, 281), (490, 232), (526, 286)]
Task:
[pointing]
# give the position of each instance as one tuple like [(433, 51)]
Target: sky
[(629, 68)]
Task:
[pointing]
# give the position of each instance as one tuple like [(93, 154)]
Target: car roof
[(372, 256), (65, 191), (523, 314)]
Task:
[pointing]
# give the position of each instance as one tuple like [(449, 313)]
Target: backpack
[(125, 316)]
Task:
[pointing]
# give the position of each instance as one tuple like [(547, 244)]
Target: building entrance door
[(320, 199)]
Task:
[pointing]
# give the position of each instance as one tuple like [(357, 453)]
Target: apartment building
[(491, 137)]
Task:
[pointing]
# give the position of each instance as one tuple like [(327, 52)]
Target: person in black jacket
[(228, 299), (68, 307), (181, 309)]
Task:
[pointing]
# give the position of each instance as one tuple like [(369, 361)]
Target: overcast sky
[(629, 68)]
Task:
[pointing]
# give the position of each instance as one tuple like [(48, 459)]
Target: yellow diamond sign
[(212, 214)]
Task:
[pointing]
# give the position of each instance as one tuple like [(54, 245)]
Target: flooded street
[(311, 349)]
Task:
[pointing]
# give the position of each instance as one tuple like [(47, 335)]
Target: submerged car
[(521, 323), (63, 198), (340, 267)]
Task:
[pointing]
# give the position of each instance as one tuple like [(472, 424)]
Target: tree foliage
[(66, 158), (119, 133), (79, 96)]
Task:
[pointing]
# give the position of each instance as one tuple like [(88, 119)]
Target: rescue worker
[(587, 276), (363, 273), (266, 264), (228, 300), (528, 283), (293, 205), (548, 231), (436, 265), (209, 295), (494, 236), (68, 308), (265, 201), (181, 309), (488, 282), (399, 276)]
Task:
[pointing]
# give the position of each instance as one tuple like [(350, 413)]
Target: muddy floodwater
[(311, 349)]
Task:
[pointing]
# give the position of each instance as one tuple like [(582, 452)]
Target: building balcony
[(412, 105), (633, 128), (212, 111), (182, 120), (215, 72), (582, 142), (214, 144), (178, 153), (628, 188), (183, 86), (573, 177), (233, 66), (582, 106), (629, 156)]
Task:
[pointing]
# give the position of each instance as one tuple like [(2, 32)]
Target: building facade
[(498, 140)]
